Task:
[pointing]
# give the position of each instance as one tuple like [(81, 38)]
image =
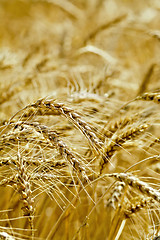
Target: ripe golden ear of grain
[(79, 119)]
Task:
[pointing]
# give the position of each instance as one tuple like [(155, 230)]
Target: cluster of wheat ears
[(79, 119)]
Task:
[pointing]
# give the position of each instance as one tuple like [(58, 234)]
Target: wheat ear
[(117, 141), (52, 108), (136, 183), (155, 97), (24, 188), (72, 116), (137, 204), (113, 126), (63, 149), (115, 194)]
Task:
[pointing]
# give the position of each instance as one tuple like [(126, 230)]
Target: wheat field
[(79, 119)]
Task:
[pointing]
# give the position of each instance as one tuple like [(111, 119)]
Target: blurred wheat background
[(79, 119)]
